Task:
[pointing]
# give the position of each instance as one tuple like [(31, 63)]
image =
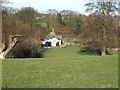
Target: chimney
[(53, 30)]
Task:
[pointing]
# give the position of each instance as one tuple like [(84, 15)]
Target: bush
[(93, 51), (26, 49), (25, 53), (90, 51)]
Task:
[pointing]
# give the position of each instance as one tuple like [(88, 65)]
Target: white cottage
[(52, 40)]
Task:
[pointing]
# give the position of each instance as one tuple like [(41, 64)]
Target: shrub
[(90, 51), (27, 49)]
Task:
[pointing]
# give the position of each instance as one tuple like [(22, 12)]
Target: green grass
[(61, 68)]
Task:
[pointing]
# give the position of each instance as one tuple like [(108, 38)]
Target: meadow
[(61, 67)]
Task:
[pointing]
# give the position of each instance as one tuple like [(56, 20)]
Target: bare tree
[(5, 47), (103, 8)]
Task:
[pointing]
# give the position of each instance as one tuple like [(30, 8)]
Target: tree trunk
[(2, 55), (4, 49), (103, 52)]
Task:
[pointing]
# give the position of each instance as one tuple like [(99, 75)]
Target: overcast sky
[(43, 5)]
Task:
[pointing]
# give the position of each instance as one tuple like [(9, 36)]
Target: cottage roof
[(53, 35)]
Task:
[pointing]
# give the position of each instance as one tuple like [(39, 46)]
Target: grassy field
[(61, 68)]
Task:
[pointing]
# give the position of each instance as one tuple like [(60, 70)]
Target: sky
[(44, 5)]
